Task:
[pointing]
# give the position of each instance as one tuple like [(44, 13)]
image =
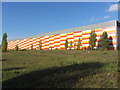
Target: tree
[(78, 45), (32, 47), (70, 45), (75, 45), (50, 48), (66, 44), (104, 40), (111, 47), (40, 45), (92, 39), (16, 48), (4, 42), (56, 48)]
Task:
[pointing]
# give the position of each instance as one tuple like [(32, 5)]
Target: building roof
[(82, 28)]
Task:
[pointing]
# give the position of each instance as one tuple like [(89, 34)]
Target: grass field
[(60, 69)]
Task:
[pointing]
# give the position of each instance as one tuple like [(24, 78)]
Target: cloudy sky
[(23, 19)]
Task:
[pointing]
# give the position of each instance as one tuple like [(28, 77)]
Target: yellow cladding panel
[(62, 42), (56, 43), (97, 29), (70, 33), (46, 44), (99, 33), (87, 36), (25, 45), (51, 43), (88, 31), (70, 45), (113, 36), (42, 39), (62, 46), (69, 41), (78, 34), (34, 38), (70, 37), (85, 41), (111, 31), (51, 36), (62, 34), (62, 38), (51, 39), (37, 46), (76, 38)]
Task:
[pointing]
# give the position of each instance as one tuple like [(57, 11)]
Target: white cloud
[(106, 17), (94, 19), (114, 7)]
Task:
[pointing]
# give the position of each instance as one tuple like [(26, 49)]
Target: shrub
[(51, 48), (40, 45), (31, 47), (75, 46), (16, 48), (78, 45), (56, 48), (70, 45), (66, 44)]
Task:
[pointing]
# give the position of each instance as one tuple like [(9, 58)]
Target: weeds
[(60, 68)]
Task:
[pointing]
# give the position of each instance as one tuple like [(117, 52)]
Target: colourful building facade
[(57, 40)]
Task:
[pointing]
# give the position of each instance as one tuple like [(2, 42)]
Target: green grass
[(60, 69)]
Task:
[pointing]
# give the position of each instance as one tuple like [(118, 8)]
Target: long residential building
[(56, 39)]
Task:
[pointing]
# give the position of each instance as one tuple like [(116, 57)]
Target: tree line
[(104, 41), (92, 42)]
